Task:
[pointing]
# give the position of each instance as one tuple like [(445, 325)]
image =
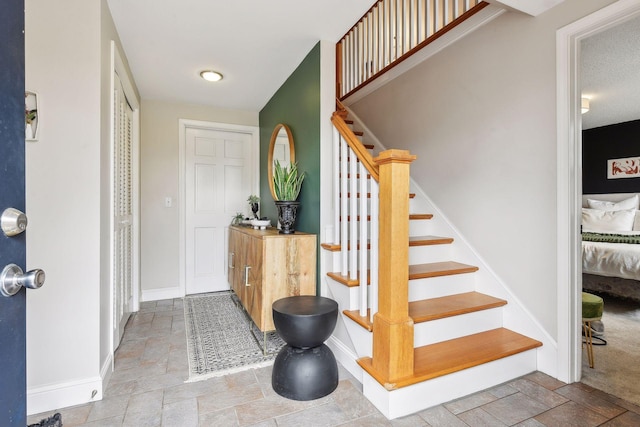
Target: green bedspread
[(610, 238)]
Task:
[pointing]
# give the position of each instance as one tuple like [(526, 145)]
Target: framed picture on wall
[(628, 167), (31, 116)]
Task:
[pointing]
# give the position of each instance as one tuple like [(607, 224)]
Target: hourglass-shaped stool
[(305, 368)]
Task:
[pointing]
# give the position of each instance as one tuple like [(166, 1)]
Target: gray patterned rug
[(221, 339)]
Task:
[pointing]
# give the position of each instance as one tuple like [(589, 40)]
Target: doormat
[(53, 421), (222, 339)]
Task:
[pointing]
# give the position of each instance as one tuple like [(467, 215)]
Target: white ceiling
[(256, 45), (610, 74)]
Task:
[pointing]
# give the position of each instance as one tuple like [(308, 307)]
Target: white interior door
[(122, 212), (219, 177)]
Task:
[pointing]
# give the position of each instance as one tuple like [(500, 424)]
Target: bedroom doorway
[(607, 60), (569, 178)]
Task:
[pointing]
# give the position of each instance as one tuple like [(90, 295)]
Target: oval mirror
[(280, 149)]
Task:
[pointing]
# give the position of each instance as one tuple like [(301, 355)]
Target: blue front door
[(12, 249)]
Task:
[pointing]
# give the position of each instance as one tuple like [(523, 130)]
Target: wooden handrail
[(355, 144)]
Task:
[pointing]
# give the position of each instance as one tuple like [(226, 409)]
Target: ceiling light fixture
[(584, 104), (211, 76)]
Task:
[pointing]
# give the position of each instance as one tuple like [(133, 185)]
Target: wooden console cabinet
[(265, 266)]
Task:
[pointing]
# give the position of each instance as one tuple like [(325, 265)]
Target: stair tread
[(429, 240), (436, 269), (436, 360), (452, 305), (418, 271), (413, 241), (438, 308), (420, 216)]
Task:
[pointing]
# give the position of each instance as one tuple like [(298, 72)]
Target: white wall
[(160, 272), (67, 184), (481, 117)]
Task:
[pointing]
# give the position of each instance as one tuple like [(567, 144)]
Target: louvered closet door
[(122, 213)]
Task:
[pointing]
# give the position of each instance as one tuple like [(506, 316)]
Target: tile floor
[(148, 389)]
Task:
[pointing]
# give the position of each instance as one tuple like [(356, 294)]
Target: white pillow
[(599, 220), (636, 223), (630, 203)]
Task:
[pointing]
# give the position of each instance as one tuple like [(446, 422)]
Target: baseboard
[(345, 357), (105, 374), (162, 293), (62, 395)]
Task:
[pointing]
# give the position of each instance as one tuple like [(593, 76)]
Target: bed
[(611, 244)]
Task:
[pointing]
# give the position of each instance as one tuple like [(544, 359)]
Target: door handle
[(13, 222), (246, 275), (232, 260), (13, 278)]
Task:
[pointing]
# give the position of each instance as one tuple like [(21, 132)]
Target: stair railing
[(380, 230), (390, 32), (356, 198)]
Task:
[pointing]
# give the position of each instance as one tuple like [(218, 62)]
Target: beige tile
[(628, 419), (376, 420), (108, 407), (531, 422), (582, 394), (142, 419), (502, 390), (473, 401), (106, 422), (616, 400), (200, 388), (571, 414), (538, 392), (226, 417), (149, 402), (352, 403), (413, 420), (180, 414), (328, 414), (515, 408), (479, 418), (545, 380), (440, 416), (267, 408), (231, 397)]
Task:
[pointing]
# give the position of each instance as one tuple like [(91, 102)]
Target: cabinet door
[(236, 263), (254, 289)]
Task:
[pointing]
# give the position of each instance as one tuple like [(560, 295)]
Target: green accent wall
[(296, 104)]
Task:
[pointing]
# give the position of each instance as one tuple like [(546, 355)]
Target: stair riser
[(435, 287), (362, 339), (430, 253), (403, 401), (345, 296), (456, 326)]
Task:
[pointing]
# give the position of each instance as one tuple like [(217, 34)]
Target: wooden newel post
[(392, 326)]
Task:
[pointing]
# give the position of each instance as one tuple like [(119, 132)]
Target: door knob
[(13, 278), (13, 222)]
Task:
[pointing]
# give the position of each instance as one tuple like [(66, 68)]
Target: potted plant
[(237, 219), (254, 202), (287, 182)]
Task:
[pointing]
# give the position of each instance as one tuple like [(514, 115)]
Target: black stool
[(305, 368)]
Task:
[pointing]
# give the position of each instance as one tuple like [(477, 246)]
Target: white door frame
[(117, 66), (569, 184), (254, 161)]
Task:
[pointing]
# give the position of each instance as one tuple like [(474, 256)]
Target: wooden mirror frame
[(272, 144)]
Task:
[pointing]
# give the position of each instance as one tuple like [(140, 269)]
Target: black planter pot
[(287, 212)]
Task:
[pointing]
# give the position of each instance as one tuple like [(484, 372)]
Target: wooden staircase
[(394, 367)]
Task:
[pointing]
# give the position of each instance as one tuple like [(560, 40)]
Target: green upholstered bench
[(592, 308)]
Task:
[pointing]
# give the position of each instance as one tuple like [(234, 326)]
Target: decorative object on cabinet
[(237, 218), (281, 149), (31, 116), (254, 202), (287, 184), (265, 266)]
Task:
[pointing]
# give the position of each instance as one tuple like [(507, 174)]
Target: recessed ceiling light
[(211, 76)]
